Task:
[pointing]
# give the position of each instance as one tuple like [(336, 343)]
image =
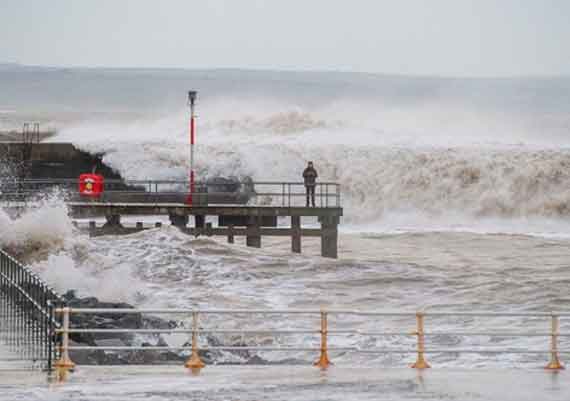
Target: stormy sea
[(456, 197)]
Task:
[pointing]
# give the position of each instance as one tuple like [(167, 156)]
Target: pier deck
[(253, 222), (250, 209)]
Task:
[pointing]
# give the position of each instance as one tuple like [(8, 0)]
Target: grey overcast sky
[(420, 37)]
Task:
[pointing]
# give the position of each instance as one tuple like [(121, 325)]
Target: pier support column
[(230, 234), (200, 221), (180, 221), (113, 220), (253, 236), (329, 236), (92, 228), (113, 224), (296, 234)]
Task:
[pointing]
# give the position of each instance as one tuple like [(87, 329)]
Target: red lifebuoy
[(91, 185)]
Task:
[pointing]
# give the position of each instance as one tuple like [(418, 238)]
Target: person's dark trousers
[(310, 194)]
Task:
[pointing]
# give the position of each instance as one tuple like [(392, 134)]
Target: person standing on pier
[(310, 177)]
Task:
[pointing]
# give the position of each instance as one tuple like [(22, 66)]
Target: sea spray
[(39, 230), (377, 178), (87, 276)]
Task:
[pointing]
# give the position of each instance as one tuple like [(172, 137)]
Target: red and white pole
[(191, 101)]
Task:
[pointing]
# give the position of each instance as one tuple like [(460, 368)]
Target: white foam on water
[(89, 276), (380, 175), (42, 228)]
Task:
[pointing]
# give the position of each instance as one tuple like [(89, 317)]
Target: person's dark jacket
[(310, 176)]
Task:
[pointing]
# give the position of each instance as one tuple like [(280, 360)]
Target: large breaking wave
[(429, 160)]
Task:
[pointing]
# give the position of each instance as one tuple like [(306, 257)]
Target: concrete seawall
[(51, 160)]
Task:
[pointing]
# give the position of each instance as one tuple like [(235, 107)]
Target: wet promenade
[(289, 383)]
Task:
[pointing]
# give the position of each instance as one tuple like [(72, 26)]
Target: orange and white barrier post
[(64, 364), (194, 363), (420, 363), (324, 360), (554, 363)]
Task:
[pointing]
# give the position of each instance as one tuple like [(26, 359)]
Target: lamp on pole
[(191, 102)]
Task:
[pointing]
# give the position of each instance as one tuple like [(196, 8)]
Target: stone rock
[(110, 342), (115, 321), (139, 321)]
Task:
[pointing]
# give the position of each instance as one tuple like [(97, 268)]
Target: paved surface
[(10, 361), (289, 383)]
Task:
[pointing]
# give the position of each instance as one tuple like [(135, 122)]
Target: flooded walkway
[(10, 361), (290, 383)]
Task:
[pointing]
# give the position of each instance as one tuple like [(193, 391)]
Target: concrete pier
[(253, 222)]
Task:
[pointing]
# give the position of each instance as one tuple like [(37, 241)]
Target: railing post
[(64, 364), (554, 363), (49, 334), (323, 362), (420, 363), (194, 363)]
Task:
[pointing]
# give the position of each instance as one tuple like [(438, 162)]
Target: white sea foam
[(41, 229), (88, 275), (381, 170)]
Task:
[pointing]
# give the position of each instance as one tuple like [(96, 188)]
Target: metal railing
[(261, 193), (27, 306), (323, 331), (31, 133)]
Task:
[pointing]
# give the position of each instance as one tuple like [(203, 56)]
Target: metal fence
[(227, 192), (31, 133), (27, 304), (323, 330)]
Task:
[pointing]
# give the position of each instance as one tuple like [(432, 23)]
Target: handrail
[(421, 349), (282, 193), (27, 306), (74, 181), (314, 311)]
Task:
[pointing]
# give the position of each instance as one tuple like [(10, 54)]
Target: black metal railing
[(254, 193), (28, 325), (31, 133)]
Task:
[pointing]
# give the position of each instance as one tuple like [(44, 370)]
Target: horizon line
[(16, 65)]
